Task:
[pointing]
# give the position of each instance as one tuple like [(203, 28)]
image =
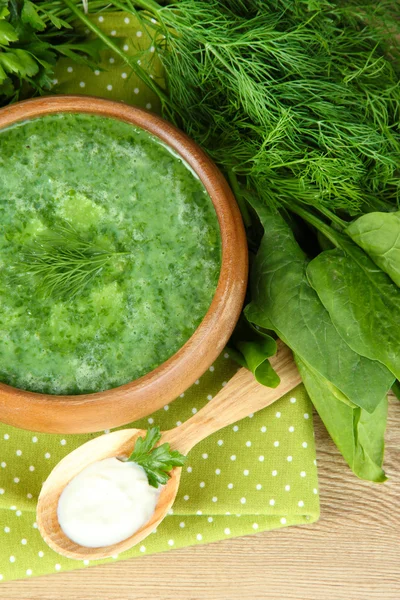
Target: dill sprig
[(63, 263)]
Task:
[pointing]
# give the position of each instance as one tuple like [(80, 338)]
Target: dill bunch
[(63, 263), (297, 101)]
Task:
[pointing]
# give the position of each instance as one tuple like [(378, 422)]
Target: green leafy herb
[(251, 348), (64, 263), (363, 303), (359, 435), (31, 16), (284, 301), (300, 99), (379, 235), (33, 35), (157, 461)]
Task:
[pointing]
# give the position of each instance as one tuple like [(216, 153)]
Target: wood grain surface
[(352, 553)]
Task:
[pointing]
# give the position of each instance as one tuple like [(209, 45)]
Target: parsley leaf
[(30, 15), (157, 461)]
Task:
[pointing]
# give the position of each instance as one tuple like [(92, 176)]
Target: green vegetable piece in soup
[(109, 253)]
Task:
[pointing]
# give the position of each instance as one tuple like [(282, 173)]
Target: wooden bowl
[(92, 412)]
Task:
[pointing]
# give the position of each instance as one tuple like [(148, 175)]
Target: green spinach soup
[(109, 253)]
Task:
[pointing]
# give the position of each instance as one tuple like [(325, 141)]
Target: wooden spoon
[(241, 396)]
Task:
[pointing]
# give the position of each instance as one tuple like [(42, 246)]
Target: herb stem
[(380, 205), (330, 215), (149, 5), (316, 222)]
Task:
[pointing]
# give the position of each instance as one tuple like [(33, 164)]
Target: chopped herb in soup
[(109, 253)]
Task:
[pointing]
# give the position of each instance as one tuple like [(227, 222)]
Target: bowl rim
[(118, 406)]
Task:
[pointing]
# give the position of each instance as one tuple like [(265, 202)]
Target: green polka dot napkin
[(256, 475)]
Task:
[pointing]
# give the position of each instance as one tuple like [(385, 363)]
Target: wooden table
[(352, 553)]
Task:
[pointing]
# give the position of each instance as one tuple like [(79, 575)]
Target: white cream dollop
[(106, 503)]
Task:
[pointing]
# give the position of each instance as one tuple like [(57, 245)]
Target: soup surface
[(109, 253)]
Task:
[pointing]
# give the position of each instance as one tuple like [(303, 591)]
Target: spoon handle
[(241, 396)]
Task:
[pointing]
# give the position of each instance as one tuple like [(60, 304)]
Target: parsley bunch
[(32, 38)]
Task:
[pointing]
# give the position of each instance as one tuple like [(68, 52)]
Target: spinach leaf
[(251, 349), (283, 300), (358, 434), (379, 235), (363, 303)]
